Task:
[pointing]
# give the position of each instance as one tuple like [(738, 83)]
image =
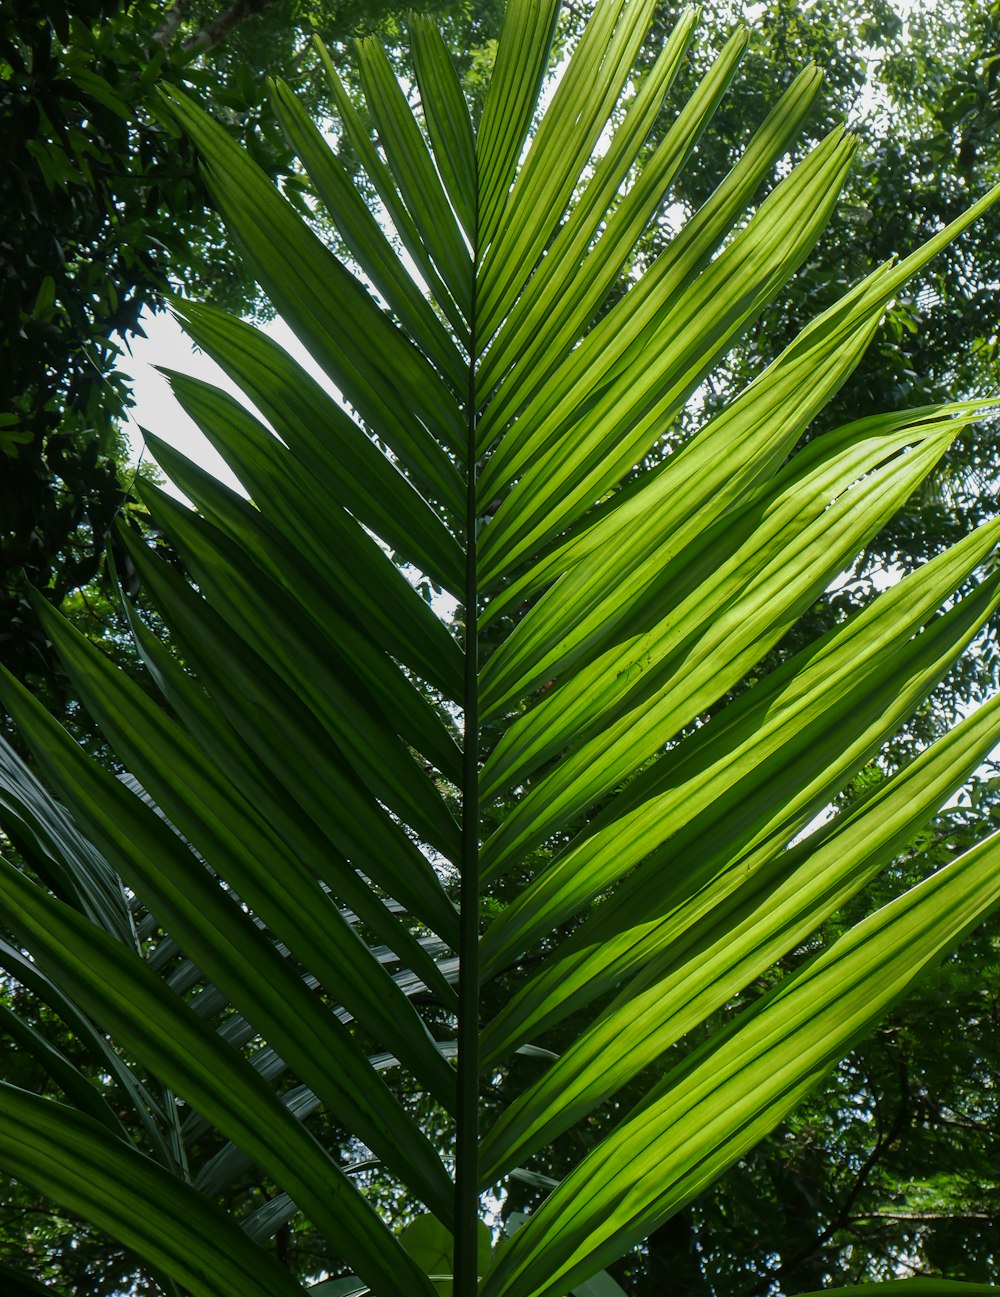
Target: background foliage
[(105, 214)]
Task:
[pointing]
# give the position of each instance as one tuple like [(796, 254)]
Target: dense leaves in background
[(717, 1262), (104, 212)]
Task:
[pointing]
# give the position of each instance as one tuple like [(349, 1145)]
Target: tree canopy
[(105, 215)]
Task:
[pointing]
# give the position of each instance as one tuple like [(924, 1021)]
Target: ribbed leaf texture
[(367, 848)]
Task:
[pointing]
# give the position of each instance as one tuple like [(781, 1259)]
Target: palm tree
[(345, 813)]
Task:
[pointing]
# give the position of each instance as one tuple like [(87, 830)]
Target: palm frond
[(268, 936)]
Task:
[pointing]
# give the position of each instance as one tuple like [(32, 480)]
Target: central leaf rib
[(466, 1277)]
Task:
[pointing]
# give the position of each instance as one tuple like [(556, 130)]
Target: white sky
[(155, 407)]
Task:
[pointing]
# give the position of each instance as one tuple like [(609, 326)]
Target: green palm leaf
[(268, 934)]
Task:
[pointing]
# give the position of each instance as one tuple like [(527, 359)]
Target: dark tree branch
[(299, 61), (842, 1216), (224, 24), (922, 1215), (175, 16), (937, 1118)]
